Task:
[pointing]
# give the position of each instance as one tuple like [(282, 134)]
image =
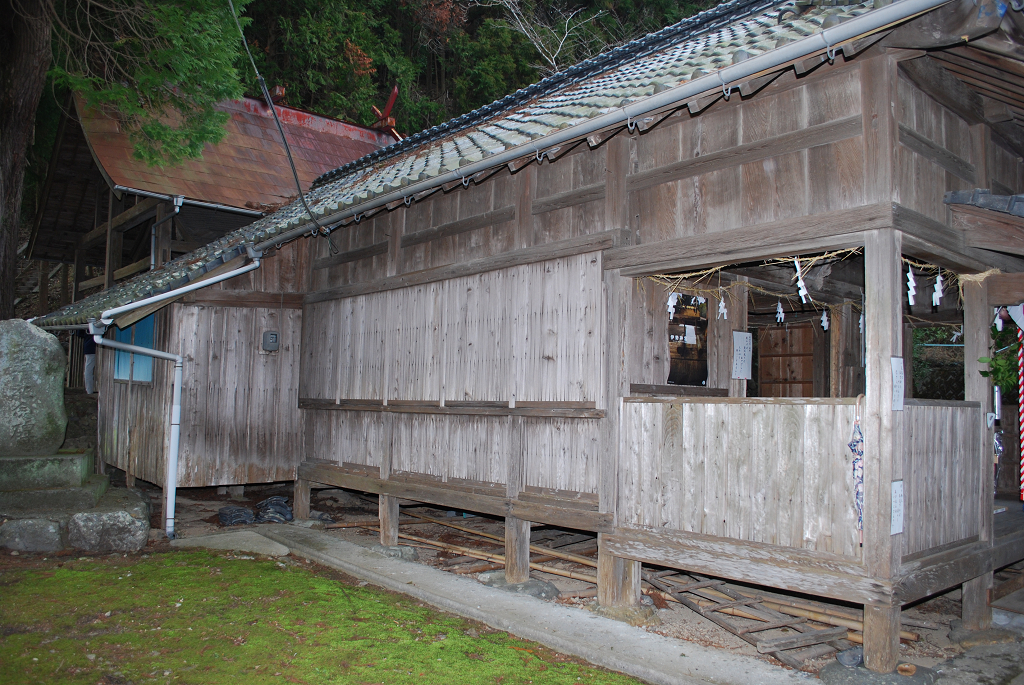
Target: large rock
[(32, 416), (31, 535), (119, 523)]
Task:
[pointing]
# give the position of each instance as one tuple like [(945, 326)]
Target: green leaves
[(160, 65)]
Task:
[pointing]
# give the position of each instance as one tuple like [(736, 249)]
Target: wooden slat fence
[(776, 470)]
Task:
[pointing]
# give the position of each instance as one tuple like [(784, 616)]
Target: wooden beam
[(115, 244), (949, 91), (352, 255), (1004, 290), (124, 221), (164, 227), (812, 136), (569, 198), (517, 550), (43, 300), (786, 237), (126, 271), (300, 499), (816, 573), (498, 216), (989, 229), (245, 299), (945, 246), (447, 496), (530, 255), (958, 166), (569, 410), (93, 282)]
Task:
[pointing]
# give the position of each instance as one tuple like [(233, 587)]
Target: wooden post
[(882, 459), (517, 531), (517, 550), (115, 242), (720, 340), (79, 274), (64, 278), (388, 513), (977, 614), (43, 301), (300, 499), (164, 233), (618, 579)]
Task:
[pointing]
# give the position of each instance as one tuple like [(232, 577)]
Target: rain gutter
[(726, 78), (190, 203)]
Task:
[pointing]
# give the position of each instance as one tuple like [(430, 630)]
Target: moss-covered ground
[(201, 617)]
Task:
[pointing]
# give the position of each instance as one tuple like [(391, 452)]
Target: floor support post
[(300, 500), (517, 550), (618, 579), (976, 613), (388, 512), (881, 637)]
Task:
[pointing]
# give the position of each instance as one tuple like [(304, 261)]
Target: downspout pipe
[(178, 199), (99, 328), (171, 475), (727, 78)]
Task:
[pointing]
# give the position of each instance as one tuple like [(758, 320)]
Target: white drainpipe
[(171, 476), (100, 327)]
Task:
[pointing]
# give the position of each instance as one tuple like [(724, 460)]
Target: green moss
[(196, 617)]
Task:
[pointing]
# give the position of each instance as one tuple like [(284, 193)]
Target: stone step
[(25, 503), (60, 470)]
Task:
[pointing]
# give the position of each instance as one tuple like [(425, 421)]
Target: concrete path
[(235, 540), (599, 640)]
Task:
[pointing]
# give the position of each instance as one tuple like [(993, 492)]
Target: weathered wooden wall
[(935, 153), (134, 419), (776, 471), (941, 473), (240, 419)]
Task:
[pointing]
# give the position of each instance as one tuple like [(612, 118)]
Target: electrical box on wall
[(271, 341)]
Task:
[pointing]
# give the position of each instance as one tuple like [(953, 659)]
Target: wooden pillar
[(883, 328), (720, 339), (517, 550), (908, 360), (388, 513), (618, 579), (43, 301), (115, 242), (977, 614), (517, 531), (300, 499), (79, 274), (64, 279), (164, 233)]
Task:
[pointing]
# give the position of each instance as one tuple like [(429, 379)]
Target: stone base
[(837, 674), (65, 469), (235, 541), (50, 502), (634, 616), (977, 638), (118, 522), (398, 552), (540, 589)]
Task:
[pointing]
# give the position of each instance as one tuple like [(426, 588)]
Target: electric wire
[(287, 149)]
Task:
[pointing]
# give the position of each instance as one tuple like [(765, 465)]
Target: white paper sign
[(897, 383), (897, 507), (690, 335), (742, 349)]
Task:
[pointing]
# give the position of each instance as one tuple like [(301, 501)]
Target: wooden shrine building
[(549, 309)]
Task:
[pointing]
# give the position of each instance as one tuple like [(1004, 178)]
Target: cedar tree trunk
[(24, 58)]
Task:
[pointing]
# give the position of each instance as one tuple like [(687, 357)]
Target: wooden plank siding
[(240, 419), (774, 471)]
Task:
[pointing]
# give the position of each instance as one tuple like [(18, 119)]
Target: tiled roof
[(1006, 204), (724, 35)]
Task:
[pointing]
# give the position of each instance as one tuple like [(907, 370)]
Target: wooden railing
[(777, 471)]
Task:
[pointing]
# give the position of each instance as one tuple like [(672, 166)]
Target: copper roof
[(248, 166)]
